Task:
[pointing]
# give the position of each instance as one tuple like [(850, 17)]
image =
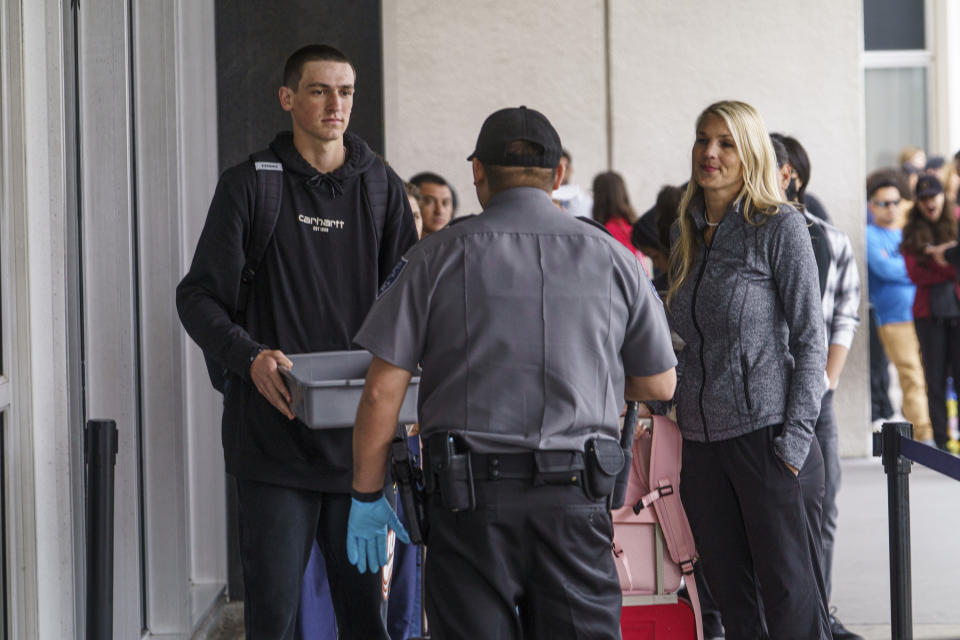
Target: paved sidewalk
[(861, 575), (861, 582)]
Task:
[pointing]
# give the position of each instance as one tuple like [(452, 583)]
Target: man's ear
[(785, 172), (479, 173), (558, 179), (286, 98)]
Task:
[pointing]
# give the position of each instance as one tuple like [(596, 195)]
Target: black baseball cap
[(517, 123), (928, 186)]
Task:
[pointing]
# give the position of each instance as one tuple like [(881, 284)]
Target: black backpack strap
[(375, 189), (594, 223), (265, 212)]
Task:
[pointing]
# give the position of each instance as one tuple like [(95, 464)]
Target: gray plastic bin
[(325, 388)]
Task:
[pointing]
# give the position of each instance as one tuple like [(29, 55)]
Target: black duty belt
[(552, 467), (503, 466)]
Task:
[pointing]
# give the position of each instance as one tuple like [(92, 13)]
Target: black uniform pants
[(277, 527), (760, 551), (529, 562)]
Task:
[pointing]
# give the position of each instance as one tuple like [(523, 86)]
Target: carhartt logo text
[(322, 225)]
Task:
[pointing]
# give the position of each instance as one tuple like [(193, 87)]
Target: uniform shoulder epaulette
[(460, 219), (596, 224)]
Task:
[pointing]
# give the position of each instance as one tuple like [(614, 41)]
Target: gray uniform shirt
[(524, 320)]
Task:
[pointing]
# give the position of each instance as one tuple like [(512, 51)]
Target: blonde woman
[(745, 298)]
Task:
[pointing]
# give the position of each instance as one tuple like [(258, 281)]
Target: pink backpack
[(653, 517)]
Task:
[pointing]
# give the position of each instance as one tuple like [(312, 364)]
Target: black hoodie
[(318, 278)]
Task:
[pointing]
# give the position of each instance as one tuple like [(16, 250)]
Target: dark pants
[(760, 552), (316, 619), (277, 528), (880, 407), (826, 431), (529, 562), (940, 350), (404, 616)]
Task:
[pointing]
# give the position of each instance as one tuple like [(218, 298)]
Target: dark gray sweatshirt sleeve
[(795, 274)]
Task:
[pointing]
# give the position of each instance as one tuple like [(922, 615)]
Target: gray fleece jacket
[(750, 315)]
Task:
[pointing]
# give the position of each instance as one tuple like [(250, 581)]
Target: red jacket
[(926, 274), (621, 228)]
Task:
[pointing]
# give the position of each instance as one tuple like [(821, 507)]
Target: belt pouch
[(557, 467), (456, 484), (454, 474), (604, 460)]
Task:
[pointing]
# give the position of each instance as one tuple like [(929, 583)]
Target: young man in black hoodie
[(329, 253)]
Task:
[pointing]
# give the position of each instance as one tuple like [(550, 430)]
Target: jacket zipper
[(693, 312), (746, 382)]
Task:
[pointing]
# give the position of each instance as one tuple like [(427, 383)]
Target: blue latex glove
[(367, 533)]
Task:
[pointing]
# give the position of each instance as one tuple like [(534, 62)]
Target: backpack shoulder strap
[(665, 462), (375, 190), (266, 210)]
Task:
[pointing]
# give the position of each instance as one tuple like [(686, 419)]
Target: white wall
[(448, 65)]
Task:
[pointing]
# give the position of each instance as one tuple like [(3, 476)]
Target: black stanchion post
[(897, 468), (100, 453)]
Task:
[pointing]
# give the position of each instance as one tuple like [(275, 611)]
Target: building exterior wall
[(448, 65)]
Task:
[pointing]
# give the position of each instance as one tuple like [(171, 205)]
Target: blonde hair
[(907, 154), (760, 193)]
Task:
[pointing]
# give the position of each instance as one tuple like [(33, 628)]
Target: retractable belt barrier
[(894, 444)]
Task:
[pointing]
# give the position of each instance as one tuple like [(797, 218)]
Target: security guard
[(525, 321)]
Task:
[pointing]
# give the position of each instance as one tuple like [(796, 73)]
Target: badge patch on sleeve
[(397, 270)]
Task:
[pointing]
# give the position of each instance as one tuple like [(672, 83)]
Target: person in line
[(840, 295), (892, 293), (951, 183), (881, 409), (799, 179), (788, 191), (913, 157), (413, 196), (612, 208), (519, 391), (936, 309), (570, 196), (744, 297), (651, 233), (331, 249), (438, 201)]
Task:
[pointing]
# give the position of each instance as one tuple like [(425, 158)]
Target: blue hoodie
[(891, 290)]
